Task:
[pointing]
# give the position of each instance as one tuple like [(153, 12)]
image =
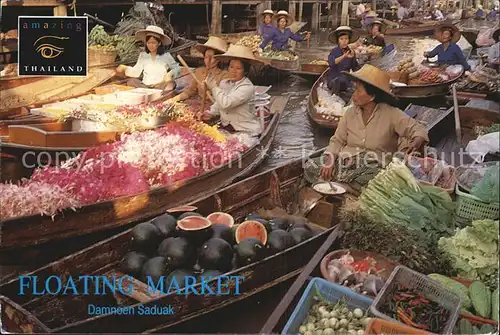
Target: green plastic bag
[(487, 188)]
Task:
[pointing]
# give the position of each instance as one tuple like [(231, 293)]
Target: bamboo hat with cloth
[(239, 52), (379, 23), (155, 31), (284, 13), (214, 43), (455, 32), (334, 35), (373, 76)]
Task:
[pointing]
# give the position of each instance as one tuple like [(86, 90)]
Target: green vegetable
[(476, 331), (487, 329), (481, 298), (465, 327), (474, 251), (454, 286), (494, 305)]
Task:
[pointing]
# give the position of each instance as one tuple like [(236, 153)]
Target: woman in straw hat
[(371, 124), (281, 34), (158, 67), (214, 46), (341, 58), (375, 34), (266, 28), (368, 16), (234, 96), (393, 15), (448, 51)]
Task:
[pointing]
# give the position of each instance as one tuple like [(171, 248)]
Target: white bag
[(489, 143)]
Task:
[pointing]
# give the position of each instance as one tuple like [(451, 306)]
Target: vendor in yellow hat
[(448, 52), (157, 67), (266, 28), (213, 69), (372, 124)]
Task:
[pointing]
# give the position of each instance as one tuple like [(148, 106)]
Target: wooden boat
[(24, 237), (424, 91), (69, 314), (311, 106)]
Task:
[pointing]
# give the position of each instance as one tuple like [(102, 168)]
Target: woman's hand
[(206, 116), (351, 54), (121, 69), (210, 83), (328, 168), (426, 54), (169, 77), (416, 145), (308, 36)]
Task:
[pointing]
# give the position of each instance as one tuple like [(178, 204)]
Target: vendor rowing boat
[(274, 190)]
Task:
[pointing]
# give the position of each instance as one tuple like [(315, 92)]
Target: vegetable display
[(454, 286), (334, 318), (415, 310), (474, 251), (251, 42), (125, 45), (465, 327)]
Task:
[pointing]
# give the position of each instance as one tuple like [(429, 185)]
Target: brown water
[(296, 133)]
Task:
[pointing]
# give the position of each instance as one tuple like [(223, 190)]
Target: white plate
[(262, 96), (324, 188), (397, 84)]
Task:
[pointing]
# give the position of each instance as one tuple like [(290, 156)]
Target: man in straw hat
[(448, 51), (213, 69), (281, 34), (234, 96), (158, 67), (341, 58), (266, 28), (372, 124), (375, 34)]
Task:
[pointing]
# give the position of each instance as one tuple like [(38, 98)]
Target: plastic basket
[(421, 284), (379, 327), (331, 292), (470, 208), (101, 57)]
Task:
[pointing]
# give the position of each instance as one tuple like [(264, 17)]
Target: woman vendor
[(280, 34), (494, 51), (266, 28), (234, 96), (371, 124), (393, 15), (448, 51), (341, 58), (375, 34), (158, 67), (214, 46)]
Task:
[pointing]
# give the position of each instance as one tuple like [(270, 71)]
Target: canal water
[(296, 134)]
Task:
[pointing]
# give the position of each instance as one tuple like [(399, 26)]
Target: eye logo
[(48, 50)]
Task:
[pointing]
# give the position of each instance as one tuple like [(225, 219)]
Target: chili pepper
[(406, 319)]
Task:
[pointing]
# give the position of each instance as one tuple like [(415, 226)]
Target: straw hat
[(380, 23), (239, 52), (480, 6), (333, 37), (373, 76), (371, 13), (284, 13), (394, 7), (439, 31), (215, 43), (153, 31), (267, 12)]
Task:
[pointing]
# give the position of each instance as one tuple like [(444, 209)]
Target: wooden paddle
[(208, 94), (457, 115)]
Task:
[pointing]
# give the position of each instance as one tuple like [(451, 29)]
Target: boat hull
[(311, 106), (424, 91), (43, 234)]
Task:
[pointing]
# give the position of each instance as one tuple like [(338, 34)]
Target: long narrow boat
[(69, 314), (24, 237)]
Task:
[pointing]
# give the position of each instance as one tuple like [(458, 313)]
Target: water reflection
[(296, 133)]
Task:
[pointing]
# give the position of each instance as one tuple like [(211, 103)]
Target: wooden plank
[(31, 3), (60, 10), (216, 27)]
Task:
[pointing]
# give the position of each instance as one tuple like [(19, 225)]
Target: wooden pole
[(458, 127), (183, 62), (216, 27), (60, 10), (301, 9), (292, 9), (315, 17)]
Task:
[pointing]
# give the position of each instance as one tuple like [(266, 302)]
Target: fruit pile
[(184, 243), (124, 45), (252, 42)]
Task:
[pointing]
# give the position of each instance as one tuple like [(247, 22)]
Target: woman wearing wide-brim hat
[(448, 51), (157, 67), (372, 124), (281, 34), (267, 26), (376, 30), (341, 58), (234, 96), (214, 46)]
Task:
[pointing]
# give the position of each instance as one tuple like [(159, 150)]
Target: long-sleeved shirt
[(377, 40), (453, 55), (402, 13), (153, 70), (438, 15), (381, 134), (280, 39), (494, 53), (201, 74), (347, 64), (265, 30), (234, 103)]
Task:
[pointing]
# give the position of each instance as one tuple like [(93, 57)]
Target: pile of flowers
[(136, 163)]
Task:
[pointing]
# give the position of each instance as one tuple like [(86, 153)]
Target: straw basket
[(101, 57)]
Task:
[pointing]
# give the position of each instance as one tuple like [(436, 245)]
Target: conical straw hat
[(267, 12), (215, 43), (439, 32), (284, 13), (153, 31), (373, 76), (333, 37), (239, 52)]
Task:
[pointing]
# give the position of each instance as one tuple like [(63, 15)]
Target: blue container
[(331, 292)]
